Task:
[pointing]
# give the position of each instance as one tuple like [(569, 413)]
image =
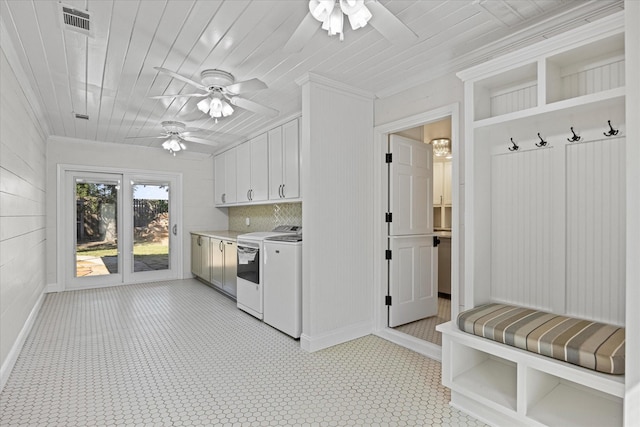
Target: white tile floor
[(425, 329), (180, 354)]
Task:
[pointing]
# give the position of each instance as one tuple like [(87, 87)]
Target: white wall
[(22, 211), (337, 214), (441, 92), (199, 212), (632, 371)]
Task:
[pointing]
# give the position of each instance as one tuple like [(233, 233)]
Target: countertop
[(443, 234), (221, 234)]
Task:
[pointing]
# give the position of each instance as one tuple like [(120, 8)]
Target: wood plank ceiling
[(109, 75)]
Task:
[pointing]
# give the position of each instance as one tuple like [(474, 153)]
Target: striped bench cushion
[(589, 344)]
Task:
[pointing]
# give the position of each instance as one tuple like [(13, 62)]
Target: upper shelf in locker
[(563, 79)]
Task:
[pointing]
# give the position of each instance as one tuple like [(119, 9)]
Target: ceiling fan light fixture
[(321, 9), (357, 12), (204, 105), (174, 144)]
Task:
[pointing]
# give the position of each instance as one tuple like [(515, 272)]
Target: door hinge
[(388, 158), (387, 300), (387, 254), (388, 217), (436, 241)]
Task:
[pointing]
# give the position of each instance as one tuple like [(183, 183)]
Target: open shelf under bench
[(523, 387)]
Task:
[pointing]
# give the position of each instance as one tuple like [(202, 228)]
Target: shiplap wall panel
[(520, 99), (521, 189), (595, 230), (596, 79), (22, 207), (337, 172)]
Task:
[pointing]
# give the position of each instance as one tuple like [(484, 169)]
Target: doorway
[(420, 334), (118, 227)]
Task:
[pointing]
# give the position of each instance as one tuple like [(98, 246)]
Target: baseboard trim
[(335, 337), (52, 288), (431, 350), (12, 357)]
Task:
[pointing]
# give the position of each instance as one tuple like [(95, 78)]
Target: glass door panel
[(96, 228), (151, 226)]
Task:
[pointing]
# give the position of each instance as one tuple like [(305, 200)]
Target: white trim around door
[(381, 134), (127, 273)]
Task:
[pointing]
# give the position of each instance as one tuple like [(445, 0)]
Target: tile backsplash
[(264, 217)]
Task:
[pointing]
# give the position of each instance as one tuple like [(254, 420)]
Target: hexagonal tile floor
[(181, 354)]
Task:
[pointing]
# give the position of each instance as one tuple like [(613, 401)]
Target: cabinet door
[(205, 258), (230, 267), (219, 176), (291, 160), (230, 176), (259, 168), (438, 184), (243, 171), (196, 255), (446, 187), (275, 163), (217, 262)]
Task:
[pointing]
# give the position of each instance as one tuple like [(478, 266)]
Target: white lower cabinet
[(214, 260), (504, 385), (200, 257)]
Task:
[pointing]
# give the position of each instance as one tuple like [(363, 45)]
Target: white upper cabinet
[(442, 183), (252, 171), (262, 170), (225, 177), (284, 162)]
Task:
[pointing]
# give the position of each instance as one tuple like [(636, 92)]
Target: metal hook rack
[(575, 137), (611, 131), (515, 146), (542, 142)]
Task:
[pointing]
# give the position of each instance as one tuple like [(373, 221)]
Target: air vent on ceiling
[(76, 20), (82, 116)]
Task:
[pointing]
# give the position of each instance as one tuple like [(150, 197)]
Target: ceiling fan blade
[(190, 131), (201, 95), (251, 85), (302, 34), (145, 137), (388, 24), (179, 77), (200, 141), (254, 106)]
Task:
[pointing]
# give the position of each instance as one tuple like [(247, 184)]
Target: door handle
[(283, 196), (224, 196), (280, 191), (220, 246), (175, 229), (199, 240)]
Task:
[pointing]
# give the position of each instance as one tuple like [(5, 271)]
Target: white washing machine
[(250, 269), (283, 283)]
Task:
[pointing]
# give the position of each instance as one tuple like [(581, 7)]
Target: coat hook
[(612, 131), (575, 137), (515, 146), (542, 142)]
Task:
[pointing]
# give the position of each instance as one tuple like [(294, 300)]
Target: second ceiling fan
[(221, 91)]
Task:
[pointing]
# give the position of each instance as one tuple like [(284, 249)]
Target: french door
[(120, 228)]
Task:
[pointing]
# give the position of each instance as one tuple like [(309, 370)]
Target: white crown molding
[(334, 85), (550, 24), (604, 27)]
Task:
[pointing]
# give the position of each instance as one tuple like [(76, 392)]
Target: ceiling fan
[(175, 135), (360, 12), (221, 92)]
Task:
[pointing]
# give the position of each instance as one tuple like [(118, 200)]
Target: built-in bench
[(592, 345), (505, 375)]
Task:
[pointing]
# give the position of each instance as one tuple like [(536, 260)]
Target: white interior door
[(413, 258), (410, 186), (414, 278)]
